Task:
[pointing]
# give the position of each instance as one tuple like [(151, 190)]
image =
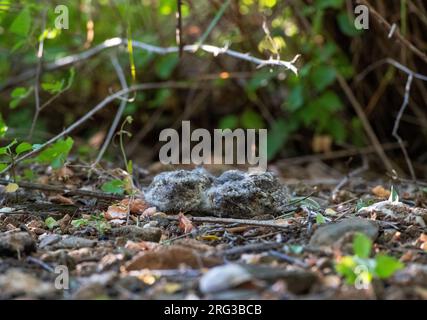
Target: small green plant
[(320, 219), (115, 186), (361, 203), (120, 186), (394, 195), (96, 221), (57, 154), (51, 223), (8, 155), (359, 268)]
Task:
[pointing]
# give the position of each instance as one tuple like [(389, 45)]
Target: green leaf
[(319, 110), (6, 149), (53, 87), (320, 219), (17, 95), (322, 77), (79, 223), (252, 120), (51, 223), (362, 245), (386, 266), (114, 186), (3, 127), (129, 167), (3, 166), (346, 267), (57, 154), (22, 23), (296, 98), (23, 147), (394, 195)]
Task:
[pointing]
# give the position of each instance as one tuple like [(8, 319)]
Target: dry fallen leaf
[(61, 200), (63, 174), (184, 223), (321, 143), (116, 212), (141, 246), (149, 212), (136, 206), (11, 188), (381, 192)]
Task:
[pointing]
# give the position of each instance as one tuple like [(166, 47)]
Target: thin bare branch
[(116, 42)]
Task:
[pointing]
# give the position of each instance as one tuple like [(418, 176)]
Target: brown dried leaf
[(184, 223), (61, 200), (141, 246), (116, 212), (381, 192), (149, 212), (136, 206)]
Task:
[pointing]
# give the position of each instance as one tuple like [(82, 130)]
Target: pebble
[(14, 243), (329, 234)]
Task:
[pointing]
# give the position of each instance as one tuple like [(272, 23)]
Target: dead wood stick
[(84, 193), (259, 223)]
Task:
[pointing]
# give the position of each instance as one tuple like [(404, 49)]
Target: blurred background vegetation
[(305, 114)]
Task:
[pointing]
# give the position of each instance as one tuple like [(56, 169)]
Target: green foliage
[(361, 203), (22, 23), (23, 147), (320, 219), (394, 195), (19, 94), (3, 127), (114, 186), (322, 77), (96, 221), (57, 154), (307, 102), (360, 267), (362, 246), (51, 223)]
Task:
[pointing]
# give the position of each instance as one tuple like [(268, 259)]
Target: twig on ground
[(59, 189), (259, 223)]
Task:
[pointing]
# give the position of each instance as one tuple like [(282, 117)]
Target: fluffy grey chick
[(241, 195), (180, 190)]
